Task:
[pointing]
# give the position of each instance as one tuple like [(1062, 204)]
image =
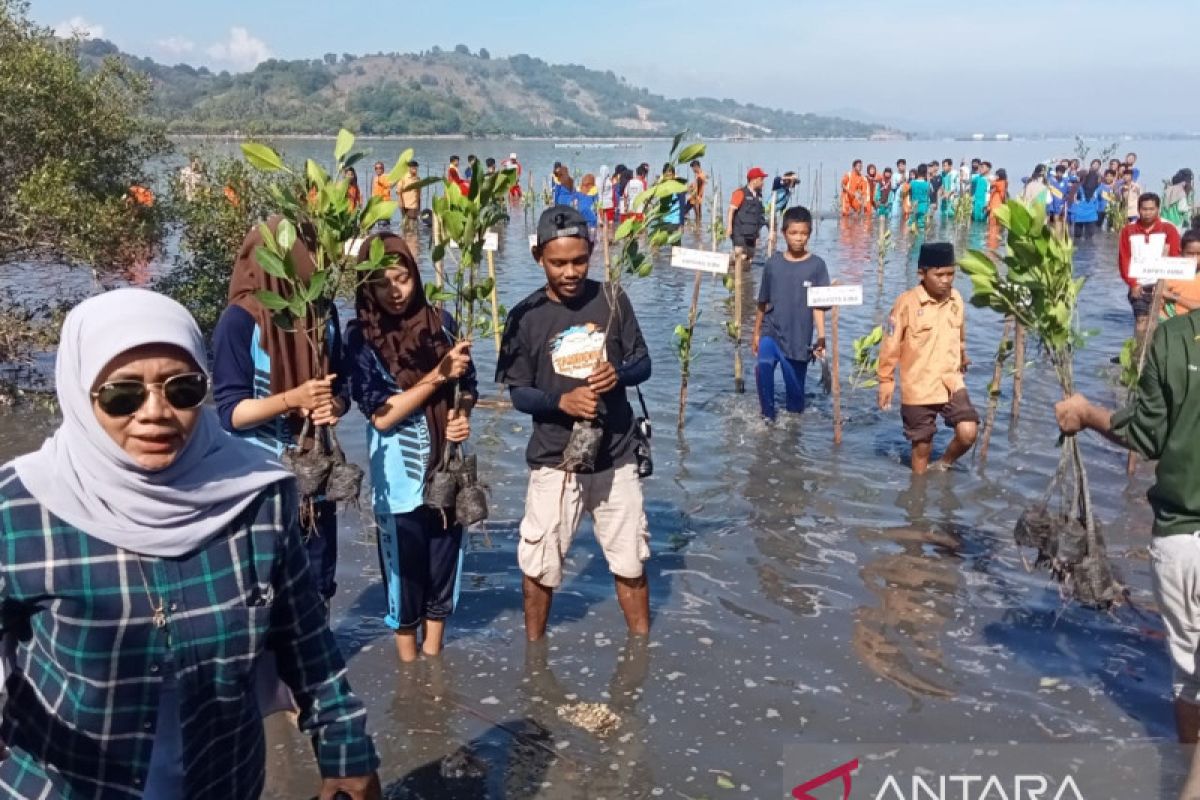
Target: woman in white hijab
[(148, 560)]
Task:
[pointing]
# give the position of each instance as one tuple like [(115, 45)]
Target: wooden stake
[(1142, 347), (834, 367), (739, 383), (1019, 373), (994, 393), (439, 272), (604, 235), (771, 227), (491, 259)]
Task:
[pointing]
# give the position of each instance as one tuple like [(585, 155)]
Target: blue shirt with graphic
[(398, 456)]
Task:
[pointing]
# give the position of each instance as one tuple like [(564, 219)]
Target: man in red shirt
[(1147, 237)]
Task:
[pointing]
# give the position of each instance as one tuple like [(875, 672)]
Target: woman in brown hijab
[(403, 360), (264, 381)]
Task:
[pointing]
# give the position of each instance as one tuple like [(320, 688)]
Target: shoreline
[(461, 138)]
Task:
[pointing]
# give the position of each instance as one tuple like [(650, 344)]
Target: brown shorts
[(920, 422)]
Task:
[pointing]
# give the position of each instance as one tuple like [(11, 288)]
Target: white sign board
[(491, 242), (702, 260), (532, 240), (1163, 269), (824, 296), (351, 247)]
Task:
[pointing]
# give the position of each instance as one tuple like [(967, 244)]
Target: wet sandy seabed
[(800, 593)]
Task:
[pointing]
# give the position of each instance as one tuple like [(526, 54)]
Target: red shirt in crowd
[(1161, 230)]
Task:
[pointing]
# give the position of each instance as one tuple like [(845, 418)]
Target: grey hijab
[(83, 477)]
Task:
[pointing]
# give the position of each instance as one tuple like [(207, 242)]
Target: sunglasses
[(122, 398)]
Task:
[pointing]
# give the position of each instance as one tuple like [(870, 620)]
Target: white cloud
[(78, 25), (176, 45), (241, 51)]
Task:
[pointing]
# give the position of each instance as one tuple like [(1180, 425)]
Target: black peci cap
[(561, 222), (935, 255)]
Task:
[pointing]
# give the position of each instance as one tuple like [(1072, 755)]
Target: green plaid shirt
[(83, 694)]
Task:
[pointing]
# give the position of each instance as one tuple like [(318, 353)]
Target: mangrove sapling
[(654, 205), (321, 220), (1040, 291), (883, 243), (866, 359), (464, 222), (685, 335), (1002, 353)]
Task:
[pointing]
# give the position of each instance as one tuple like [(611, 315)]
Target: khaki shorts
[(1175, 569), (554, 507)]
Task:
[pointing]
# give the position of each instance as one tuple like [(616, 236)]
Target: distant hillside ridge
[(453, 92)]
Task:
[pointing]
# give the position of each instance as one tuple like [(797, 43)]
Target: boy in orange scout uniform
[(926, 336), (381, 187)]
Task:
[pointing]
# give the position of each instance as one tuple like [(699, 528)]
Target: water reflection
[(916, 580)]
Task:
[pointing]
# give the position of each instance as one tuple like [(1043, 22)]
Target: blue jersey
[(563, 196), (1057, 187), (242, 371), (399, 456), (586, 203)]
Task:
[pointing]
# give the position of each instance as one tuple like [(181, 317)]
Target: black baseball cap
[(561, 222)]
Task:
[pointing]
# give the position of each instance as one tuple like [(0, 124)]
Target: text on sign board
[(822, 296), (1163, 269), (702, 260)]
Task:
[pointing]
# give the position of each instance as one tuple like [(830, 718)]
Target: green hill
[(448, 92)]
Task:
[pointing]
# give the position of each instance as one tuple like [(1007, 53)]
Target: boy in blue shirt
[(783, 325), (1058, 186)]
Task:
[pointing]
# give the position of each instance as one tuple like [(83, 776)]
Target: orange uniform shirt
[(1188, 293), (925, 339), (381, 188), (354, 197)]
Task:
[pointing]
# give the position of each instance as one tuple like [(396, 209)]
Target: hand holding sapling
[(455, 363), (1071, 414), (311, 395), (458, 426), (581, 402), (603, 378)]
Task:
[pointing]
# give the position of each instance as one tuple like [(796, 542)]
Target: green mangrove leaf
[(261, 157)]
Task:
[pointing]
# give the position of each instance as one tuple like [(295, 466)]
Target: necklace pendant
[(160, 618)]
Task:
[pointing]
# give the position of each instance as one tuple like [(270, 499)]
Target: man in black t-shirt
[(567, 355)]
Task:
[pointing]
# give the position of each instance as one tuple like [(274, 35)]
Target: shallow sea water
[(801, 592)]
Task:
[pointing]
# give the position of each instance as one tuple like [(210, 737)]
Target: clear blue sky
[(1013, 64)]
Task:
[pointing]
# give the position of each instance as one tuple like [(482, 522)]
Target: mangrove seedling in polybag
[(464, 223), (314, 210), (1040, 291), (653, 205)]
